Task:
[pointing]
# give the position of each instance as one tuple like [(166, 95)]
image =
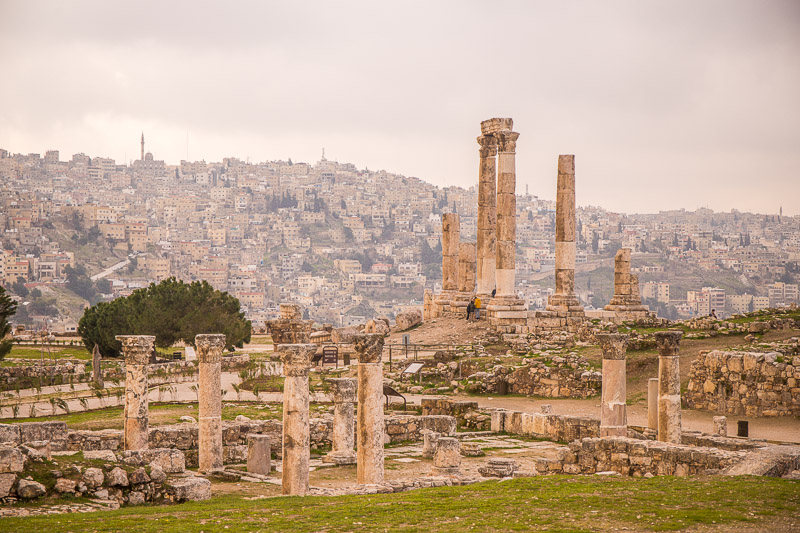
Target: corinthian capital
[(507, 141), (488, 146)]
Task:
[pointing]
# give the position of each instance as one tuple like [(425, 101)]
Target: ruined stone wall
[(745, 383), (403, 428), (561, 377), (561, 428), (634, 457)]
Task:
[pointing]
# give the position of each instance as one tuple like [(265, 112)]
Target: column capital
[(296, 358), (209, 347), (343, 389), (488, 146), (667, 342), (369, 347), (507, 141), (136, 349), (612, 344)]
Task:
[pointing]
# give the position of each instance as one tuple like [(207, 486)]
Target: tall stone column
[(209, 355), (296, 359), (466, 278), (564, 299), (369, 348), (487, 216), (97, 371), (613, 417), (669, 386), (626, 302), (344, 397), (451, 230), (505, 273), (136, 350), (652, 403)]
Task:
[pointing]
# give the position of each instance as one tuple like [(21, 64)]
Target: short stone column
[(369, 348), (487, 215), (721, 426), (451, 230), (97, 371), (209, 355), (136, 350), (344, 397), (258, 454), (429, 441), (613, 417), (669, 386), (296, 359), (652, 403), (447, 459)]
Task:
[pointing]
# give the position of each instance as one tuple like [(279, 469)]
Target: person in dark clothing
[(494, 291), (470, 309)]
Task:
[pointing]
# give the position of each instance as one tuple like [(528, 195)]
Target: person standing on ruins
[(470, 308), (477, 302)]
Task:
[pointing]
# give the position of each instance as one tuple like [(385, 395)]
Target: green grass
[(557, 503), (59, 352)]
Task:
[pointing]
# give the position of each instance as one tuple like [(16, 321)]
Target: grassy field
[(560, 504), (58, 352)]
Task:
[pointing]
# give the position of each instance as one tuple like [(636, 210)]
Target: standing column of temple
[(626, 302), (344, 397), (451, 230), (136, 350), (296, 360), (487, 215), (669, 386), (613, 417), (209, 354), (466, 278), (564, 299), (369, 348), (505, 273)]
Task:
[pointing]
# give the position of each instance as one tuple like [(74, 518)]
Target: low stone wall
[(69, 371), (561, 428), (563, 377), (745, 383), (184, 437), (634, 457)]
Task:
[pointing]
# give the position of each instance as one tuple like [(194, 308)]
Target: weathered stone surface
[(487, 216), (6, 483), (669, 386), (190, 489), (652, 403), (139, 476), (29, 490), (296, 428), (370, 409), (157, 474), (170, 460), (117, 478), (136, 498), (343, 391), (258, 454), (97, 373), (447, 458), (93, 477), (65, 486), (613, 417), (408, 319), (136, 349), (11, 460)]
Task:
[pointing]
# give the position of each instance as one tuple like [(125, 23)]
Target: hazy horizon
[(665, 105)]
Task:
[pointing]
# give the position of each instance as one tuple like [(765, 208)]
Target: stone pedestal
[(296, 359), (613, 417), (209, 355), (369, 348), (136, 350), (466, 279), (652, 403), (258, 454), (669, 386), (564, 300), (721, 426), (427, 305), (447, 459), (487, 214), (344, 397)]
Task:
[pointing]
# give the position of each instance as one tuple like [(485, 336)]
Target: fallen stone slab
[(189, 489), (170, 460)]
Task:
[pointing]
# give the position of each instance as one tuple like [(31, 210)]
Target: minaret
[(142, 158)]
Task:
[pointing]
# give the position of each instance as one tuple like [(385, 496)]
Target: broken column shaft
[(136, 350), (369, 348), (669, 386), (209, 355), (487, 217), (343, 391), (296, 360), (613, 417)]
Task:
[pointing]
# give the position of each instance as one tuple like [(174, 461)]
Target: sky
[(665, 104)]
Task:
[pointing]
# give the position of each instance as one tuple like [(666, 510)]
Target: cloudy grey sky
[(665, 104)]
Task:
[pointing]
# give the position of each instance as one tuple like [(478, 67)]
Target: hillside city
[(347, 244)]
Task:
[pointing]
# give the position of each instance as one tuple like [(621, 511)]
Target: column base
[(565, 303), (340, 458), (507, 314)]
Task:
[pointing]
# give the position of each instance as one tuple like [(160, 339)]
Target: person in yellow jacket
[(477, 308)]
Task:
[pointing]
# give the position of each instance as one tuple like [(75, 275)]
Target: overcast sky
[(664, 104)]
